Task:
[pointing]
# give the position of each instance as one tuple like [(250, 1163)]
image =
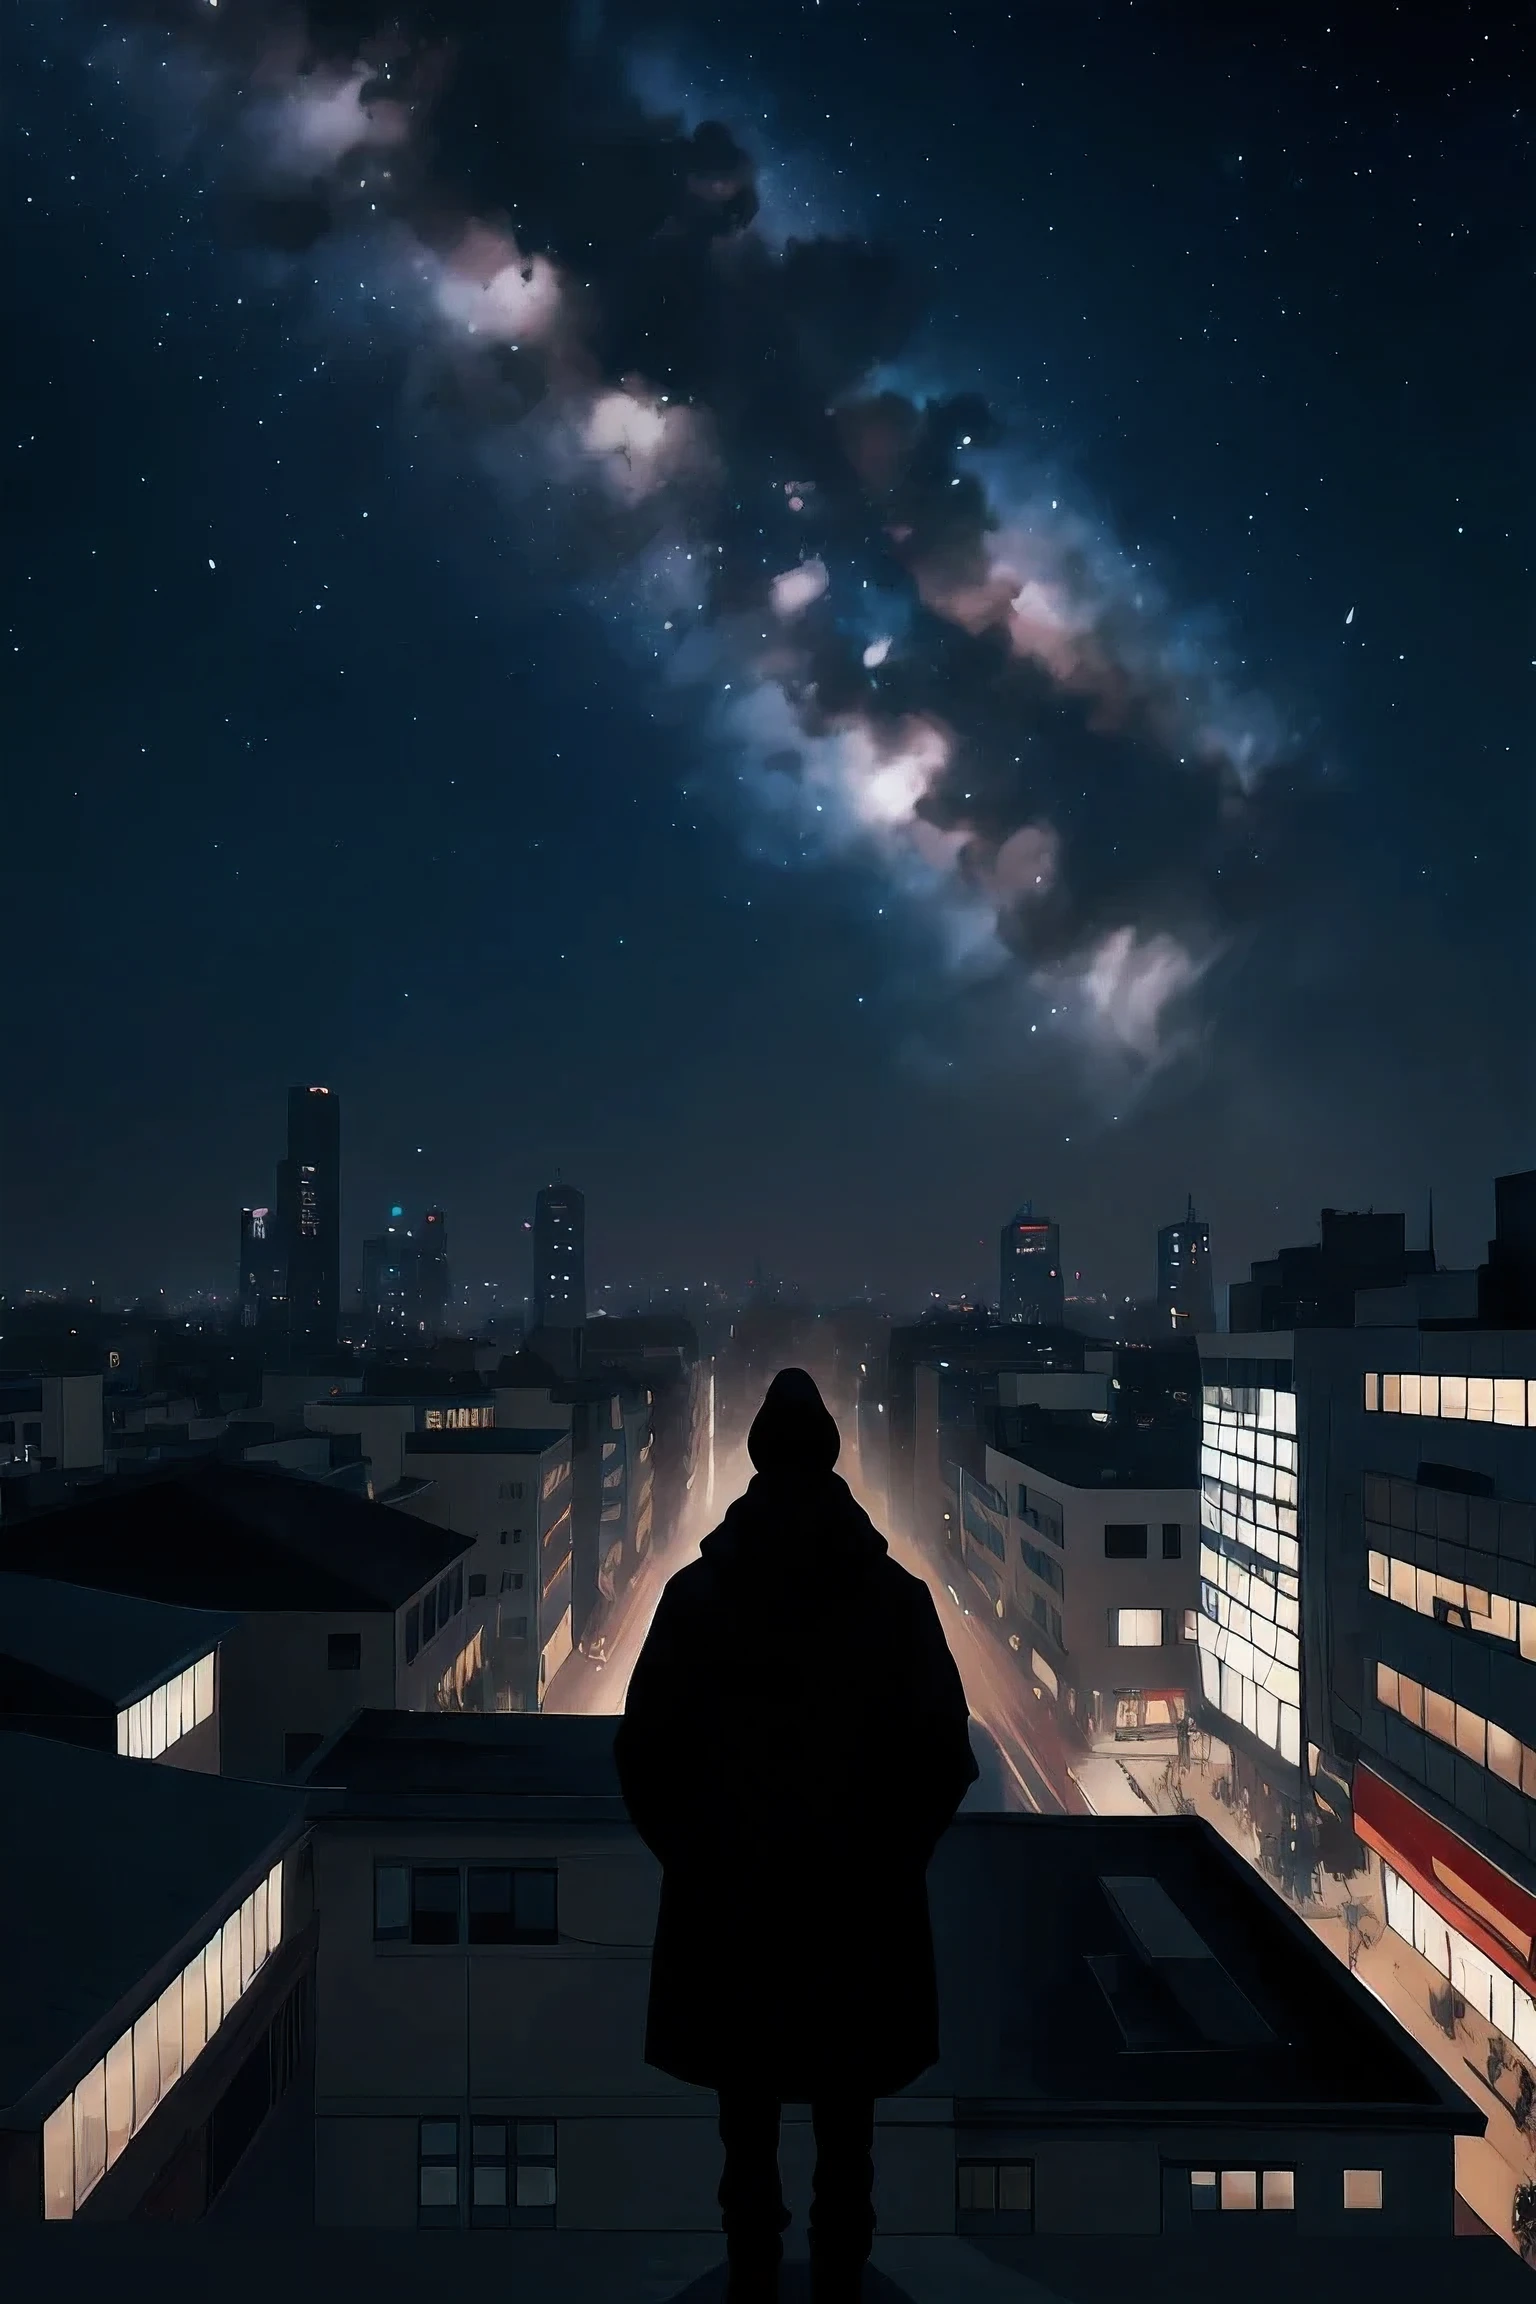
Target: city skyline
[(403, 787)]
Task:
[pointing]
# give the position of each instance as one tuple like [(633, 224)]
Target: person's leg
[(752, 2209), (842, 2219)]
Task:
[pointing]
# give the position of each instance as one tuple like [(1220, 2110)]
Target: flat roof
[(511, 1440), (482, 1758), (1104, 1457), (233, 1536), (123, 1861), (111, 1644), (1093, 1967)]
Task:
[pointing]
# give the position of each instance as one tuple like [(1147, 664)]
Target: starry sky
[(820, 618)]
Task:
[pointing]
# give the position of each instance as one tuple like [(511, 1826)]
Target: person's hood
[(780, 1529)]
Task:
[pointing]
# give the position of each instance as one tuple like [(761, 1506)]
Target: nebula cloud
[(896, 642)]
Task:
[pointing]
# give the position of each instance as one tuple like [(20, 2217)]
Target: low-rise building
[(157, 1941), (109, 1670), (337, 1602)]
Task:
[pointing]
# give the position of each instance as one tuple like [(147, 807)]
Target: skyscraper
[(390, 1278), (1186, 1292), (432, 1283), (559, 1258), (1032, 1291), (309, 1206), (263, 1268)]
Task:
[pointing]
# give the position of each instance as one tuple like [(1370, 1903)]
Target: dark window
[(344, 1651), (434, 1906), (477, 1587), (512, 1905), (444, 1600), (31, 1435), (533, 2182), (8, 1430), (412, 1634), (999, 2193), (517, 1627), (458, 1589), (511, 1580), (429, 1616), (437, 2178), (1173, 1540), (488, 2195), (1125, 1540), (297, 1747), (1042, 1565), (391, 1903)]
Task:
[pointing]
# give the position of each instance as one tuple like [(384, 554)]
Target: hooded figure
[(793, 1746)]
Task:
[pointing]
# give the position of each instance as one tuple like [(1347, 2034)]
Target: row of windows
[(1043, 1514), (1249, 1479), (555, 1477), (1265, 1528), (1260, 1408), (155, 1722), (1461, 1399), (470, 1658), (1042, 1565), (509, 1492), (1507, 2006), (511, 2172), (458, 1904), (1230, 1436), (86, 2134), (460, 1419), (1466, 1731), (1255, 2189), (1450, 1601), (425, 1619), (1127, 1540)]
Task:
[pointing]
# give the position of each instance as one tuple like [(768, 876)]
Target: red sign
[(1489, 1908)]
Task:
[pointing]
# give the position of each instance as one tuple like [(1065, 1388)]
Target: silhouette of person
[(793, 1746)]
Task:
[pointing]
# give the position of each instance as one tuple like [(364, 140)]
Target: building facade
[(559, 1259), (309, 1212), (1186, 1291), (1031, 1288)]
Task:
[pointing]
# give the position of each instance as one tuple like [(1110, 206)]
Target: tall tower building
[(432, 1277), (390, 1276), (263, 1268), (309, 1206), (1186, 1292), (559, 1258), (1031, 1291)]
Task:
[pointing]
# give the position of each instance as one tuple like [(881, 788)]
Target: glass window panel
[(1409, 1391), (534, 1898), (1362, 2187), (213, 1979), (440, 2140), (146, 2067), (247, 1942), (977, 2186), (122, 1737), (202, 1688), (434, 1905), (490, 2184), (1530, 1402), (275, 1905), (1453, 1396), (135, 1720), (1429, 1395), (1202, 2187), (1528, 1630), (157, 1724), (119, 2069), (1504, 1754), (391, 1902), (1425, 1586), (1239, 2188), (1410, 1699), (90, 2109), (1015, 2187), (1509, 1399), (1439, 1716), (194, 2010), (188, 1701), (59, 2163), (535, 2187), (1480, 1399), (1528, 1771), (490, 2140), (1372, 1391), (259, 1925), (170, 2036), (1279, 2188), (535, 2139), (229, 1938), (1376, 1571), (490, 1904), (440, 2186), (1403, 1583), (1391, 1394), (173, 1709)]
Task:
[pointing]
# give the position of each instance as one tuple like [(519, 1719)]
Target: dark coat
[(793, 1745)]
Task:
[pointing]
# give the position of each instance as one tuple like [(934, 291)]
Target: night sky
[(1128, 792)]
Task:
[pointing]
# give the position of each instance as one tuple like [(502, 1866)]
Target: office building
[(1315, 1285), (309, 1211), (337, 1602), (559, 1262), (1032, 1290), (112, 1671), (1186, 1293), (157, 1947), (391, 1272), (434, 1284), (263, 1270)]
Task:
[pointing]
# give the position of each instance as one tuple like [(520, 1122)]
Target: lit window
[(119, 2071), (1279, 2188), (194, 2010), (59, 2163), (1362, 2187), (1202, 2188), (1386, 1687), (1480, 1399), (146, 2067), (1509, 1400), (1391, 1394), (1372, 1392), (1239, 2188), (90, 2122), (1409, 1394), (1376, 1571), (169, 2027)]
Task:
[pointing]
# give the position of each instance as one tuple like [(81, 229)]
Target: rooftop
[(233, 1536), (1101, 1456), (505, 1440), (136, 1858), (111, 1644), (484, 1759)]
